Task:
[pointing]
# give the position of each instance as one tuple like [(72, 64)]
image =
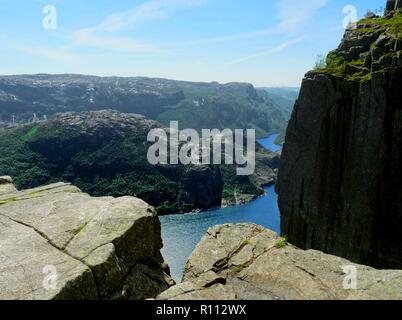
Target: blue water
[(181, 233), (269, 143)]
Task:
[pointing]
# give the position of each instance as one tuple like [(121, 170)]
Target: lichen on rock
[(114, 255), (242, 261)]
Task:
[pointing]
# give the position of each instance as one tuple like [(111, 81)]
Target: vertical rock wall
[(340, 178)]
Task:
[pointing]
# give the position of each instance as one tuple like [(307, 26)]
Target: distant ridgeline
[(105, 153), (194, 105)]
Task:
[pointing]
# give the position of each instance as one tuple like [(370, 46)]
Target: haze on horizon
[(267, 43)]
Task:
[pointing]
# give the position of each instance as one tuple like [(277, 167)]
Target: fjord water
[(182, 233), (269, 143)]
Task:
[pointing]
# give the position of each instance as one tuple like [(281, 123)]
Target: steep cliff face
[(392, 5), (340, 177)]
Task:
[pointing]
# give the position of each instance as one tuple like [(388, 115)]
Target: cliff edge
[(249, 262), (340, 176), (59, 243)]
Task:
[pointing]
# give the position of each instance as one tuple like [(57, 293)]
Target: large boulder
[(246, 261), (59, 243), (6, 185)]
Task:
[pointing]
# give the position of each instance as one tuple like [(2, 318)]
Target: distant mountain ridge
[(194, 104), (284, 97)]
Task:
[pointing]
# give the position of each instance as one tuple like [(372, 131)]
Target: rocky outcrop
[(104, 153), (393, 5), (340, 177), (65, 135), (267, 165), (59, 243), (6, 185), (265, 174), (203, 185), (246, 261)]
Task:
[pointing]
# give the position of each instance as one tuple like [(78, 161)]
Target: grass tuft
[(282, 243)]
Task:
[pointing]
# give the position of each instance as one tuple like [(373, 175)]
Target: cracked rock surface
[(59, 243), (249, 262)]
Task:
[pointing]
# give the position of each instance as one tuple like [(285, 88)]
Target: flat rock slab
[(59, 243), (249, 262)]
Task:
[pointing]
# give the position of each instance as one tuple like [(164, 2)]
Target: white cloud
[(293, 14), (86, 37), (59, 55), (277, 49), (148, 11)]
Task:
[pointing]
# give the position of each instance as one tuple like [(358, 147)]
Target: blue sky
[(264, 42)]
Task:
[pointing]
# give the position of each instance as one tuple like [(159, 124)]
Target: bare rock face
[(249, 262), (59, 243), (6, 185), (392, 5), (340, 176)]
